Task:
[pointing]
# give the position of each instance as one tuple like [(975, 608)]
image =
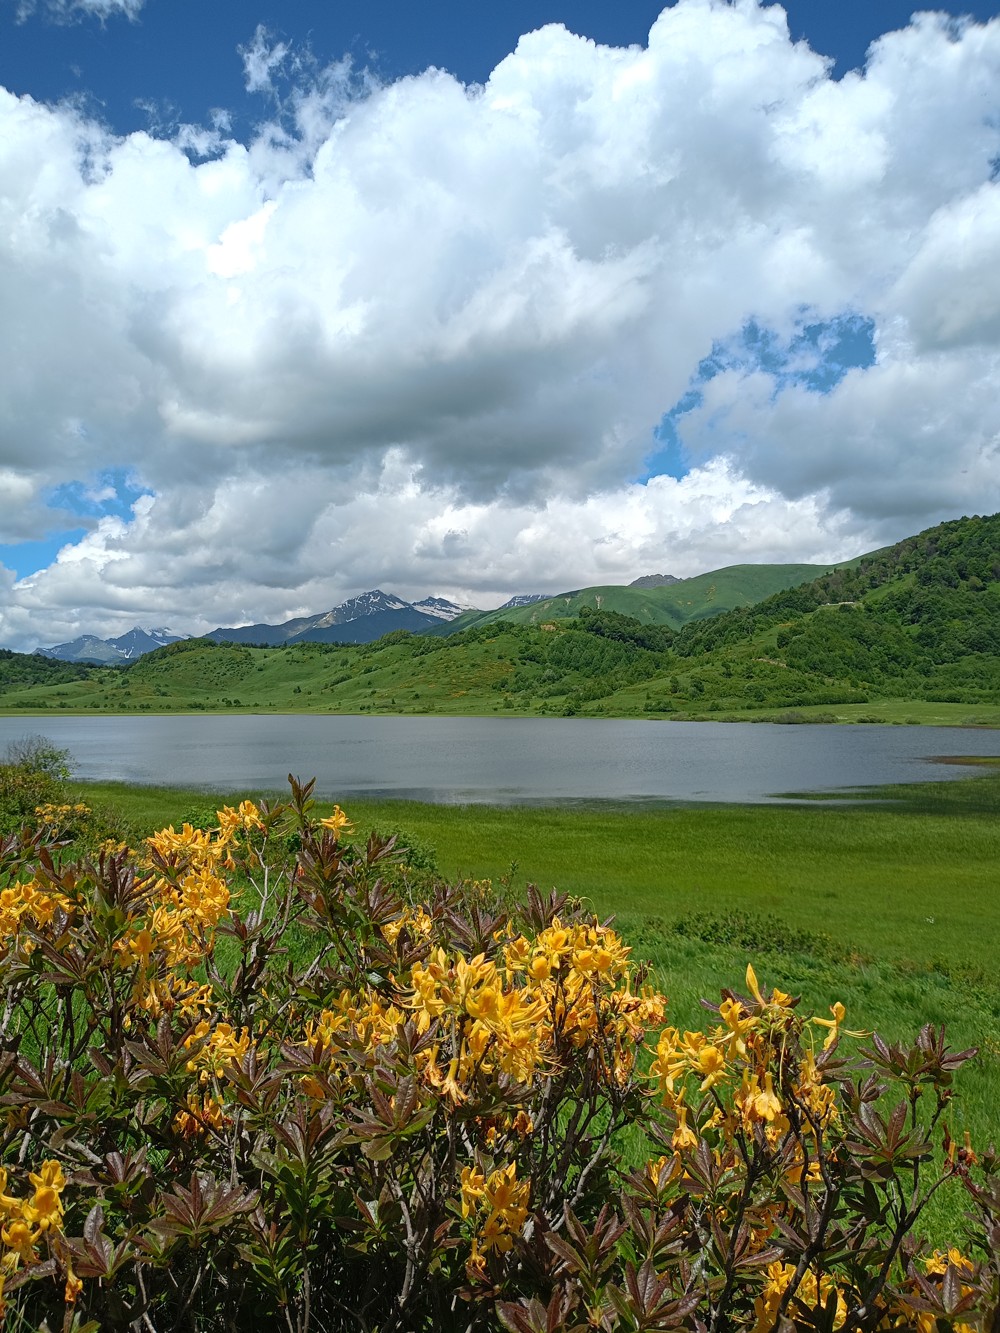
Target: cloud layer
[(420, 335), (66, 11)]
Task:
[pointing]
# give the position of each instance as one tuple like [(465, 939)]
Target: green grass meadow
[(889, 904), (905, 873), (905, 880)]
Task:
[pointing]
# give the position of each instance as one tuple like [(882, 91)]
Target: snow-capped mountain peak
[(441, 608), (136, 642)]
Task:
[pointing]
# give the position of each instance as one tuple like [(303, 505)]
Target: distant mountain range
[(359, 620), (653, 598), (108, 652), (524, 599), (664, 601)]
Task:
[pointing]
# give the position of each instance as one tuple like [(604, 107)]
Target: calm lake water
[(505, 761)]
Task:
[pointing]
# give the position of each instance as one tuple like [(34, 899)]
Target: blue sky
[(815, 357), (289, 315), (176, 61)]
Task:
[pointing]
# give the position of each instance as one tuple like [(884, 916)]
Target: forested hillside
[(919, 618), (19, 669)]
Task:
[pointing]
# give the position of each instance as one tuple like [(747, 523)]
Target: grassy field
[(888, 905), (894, 712), (906, 873), (907, 880)]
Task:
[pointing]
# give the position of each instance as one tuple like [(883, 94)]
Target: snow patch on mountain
[(524, 599), (442, 608)]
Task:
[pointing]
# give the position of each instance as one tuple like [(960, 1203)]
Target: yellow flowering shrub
[(61, 816), (30, 1225), (248, 1080)]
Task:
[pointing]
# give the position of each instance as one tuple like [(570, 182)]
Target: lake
[(504, 760)]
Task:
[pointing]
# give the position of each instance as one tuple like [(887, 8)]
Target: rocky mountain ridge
[(523, 599), (136, 642), (654, 581), (360, 619)]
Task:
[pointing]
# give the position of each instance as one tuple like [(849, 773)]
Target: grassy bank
[(463, 697)]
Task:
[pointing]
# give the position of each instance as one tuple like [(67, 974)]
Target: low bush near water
[(31, 775), (251, 1077)]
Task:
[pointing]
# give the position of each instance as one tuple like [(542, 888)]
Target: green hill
[(919, 620), (911, 632), (484, 670), (675, 604)]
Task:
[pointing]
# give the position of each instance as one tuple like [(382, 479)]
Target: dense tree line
[(19, 669)]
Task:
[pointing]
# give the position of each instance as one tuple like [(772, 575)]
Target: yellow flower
[(135, 947), (507, 1197), (45, 1207), (683, 1136), (738, 1024), (221, 1047), (695, 1053), (73, 1285), (766, 1305), (778, 998), (820, 1098), (523, 1124), (655, 1168), (9, 1205), (246, 817), (337, 823), (26, 904), (517, 954), (540, 966), (447, 1083), (473, 1186), (190, 846), (495, 1235), (192, 1000), (418, 923), (833, 1024), (475, 1265), (711, 1063), (937, 1263), (766, 1105), (809, 1293), (201, 1115), (20, 1240), (667, 1066)]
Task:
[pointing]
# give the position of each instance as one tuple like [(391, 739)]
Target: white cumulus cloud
[(421, 334)]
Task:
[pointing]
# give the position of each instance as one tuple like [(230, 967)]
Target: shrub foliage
[(251, 1078)]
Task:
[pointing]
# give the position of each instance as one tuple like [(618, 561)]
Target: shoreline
[(790, 717)]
